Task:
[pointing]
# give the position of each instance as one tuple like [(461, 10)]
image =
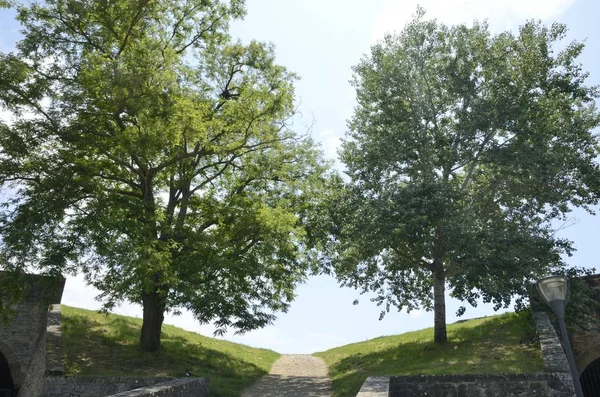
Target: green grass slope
[(496, 344), (96, 344)]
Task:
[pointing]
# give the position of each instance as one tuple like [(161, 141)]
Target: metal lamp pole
[(554, 290)]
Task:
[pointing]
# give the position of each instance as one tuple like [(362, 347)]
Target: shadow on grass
[(109, 347), (498, 345)]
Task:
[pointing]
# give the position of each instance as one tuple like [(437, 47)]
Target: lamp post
[(555, 290)]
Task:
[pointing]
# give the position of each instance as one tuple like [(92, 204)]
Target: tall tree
[(155, 154), (463, 147)]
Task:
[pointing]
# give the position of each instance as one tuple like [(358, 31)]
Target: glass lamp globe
[(553, 288)]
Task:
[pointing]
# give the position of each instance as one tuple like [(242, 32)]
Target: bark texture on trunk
[(154, 315), (439, 306)]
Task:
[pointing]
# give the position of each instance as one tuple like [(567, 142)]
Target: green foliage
[(155, 154), (496, 344), (106, 345), (583, 306), (463, 147), (583, 302)]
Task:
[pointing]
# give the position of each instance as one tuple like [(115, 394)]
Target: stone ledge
[(55, 365), (375, 386), (182, 387), (500, 385), (94, 386), (105, 379), (553, 354), (476, 378)]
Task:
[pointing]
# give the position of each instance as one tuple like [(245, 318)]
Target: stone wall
[(182, 387), (32, 386), (55, 363), (521, 385), (94, 386), (586, 344), (375, 386), (497, 385), (104, 386), (23, 340), (553, 354), (586, 348)]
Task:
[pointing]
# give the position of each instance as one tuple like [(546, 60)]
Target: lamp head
[(553, 288)]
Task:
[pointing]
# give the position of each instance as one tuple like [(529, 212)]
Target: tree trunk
[(154, 315), (439, 305)]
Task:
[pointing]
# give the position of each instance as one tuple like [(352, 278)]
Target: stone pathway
[(293, 375)]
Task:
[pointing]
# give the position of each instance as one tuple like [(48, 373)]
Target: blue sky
[(320, 40)]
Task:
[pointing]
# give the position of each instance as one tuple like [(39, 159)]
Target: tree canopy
[(155, 154), (463, 147)]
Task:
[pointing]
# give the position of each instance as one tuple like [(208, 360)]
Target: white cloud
[(501, 14), (415, 313)]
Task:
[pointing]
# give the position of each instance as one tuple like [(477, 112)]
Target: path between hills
[(293, 375)]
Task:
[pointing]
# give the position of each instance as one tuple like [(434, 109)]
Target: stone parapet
[(94, 386), (498, 385), (375, 386), (55, 363), (552, 351), (106, 386), (182, 387)]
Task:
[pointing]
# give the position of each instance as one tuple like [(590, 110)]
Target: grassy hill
[(503, 343), (96, 344)]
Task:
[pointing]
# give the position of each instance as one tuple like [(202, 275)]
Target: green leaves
[(463, 147), (155, 156)]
